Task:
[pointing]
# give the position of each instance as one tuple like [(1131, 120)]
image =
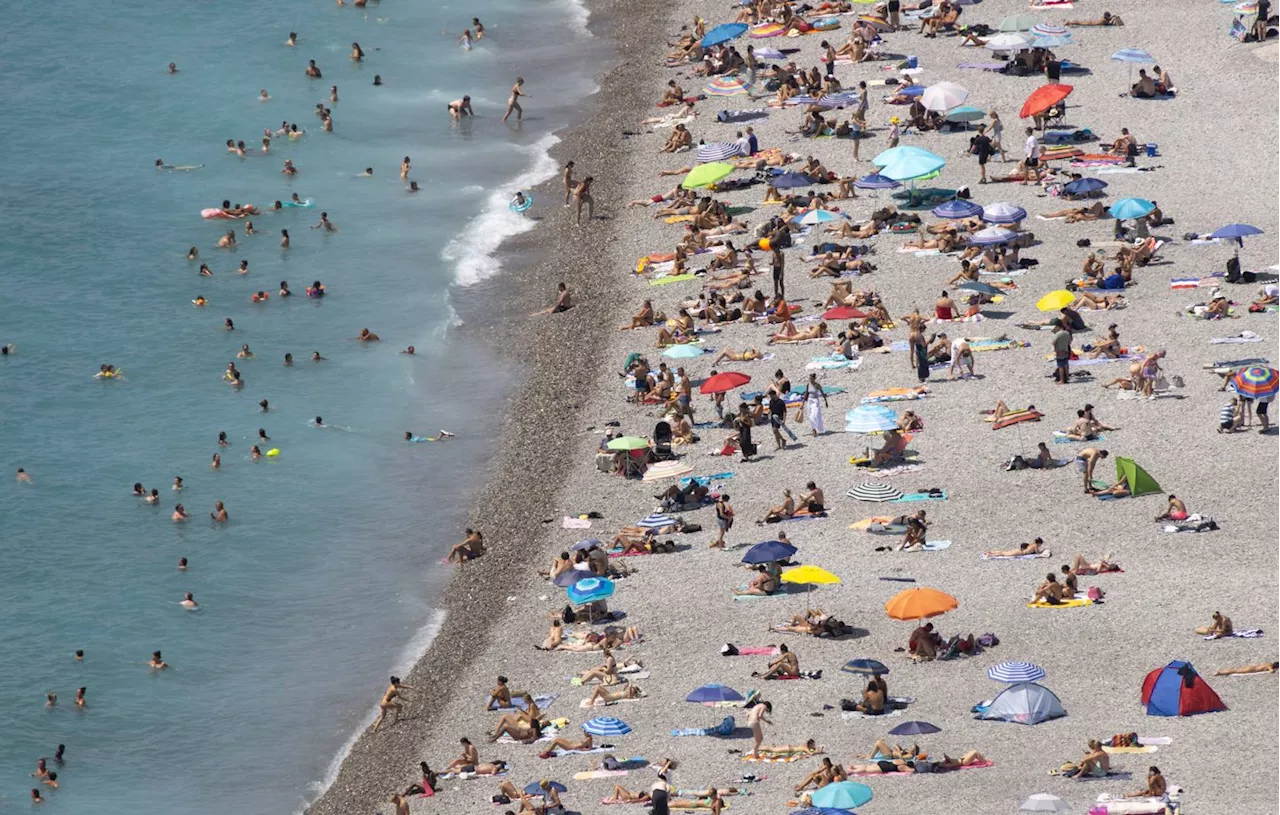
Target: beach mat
[(1072, 603), (542, 700), (985, 556)]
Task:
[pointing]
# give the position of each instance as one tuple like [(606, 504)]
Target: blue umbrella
[(606, 726), (790, 180), (1134, 55), (1127, 208), (584, 544), (956, 210), (714, 693), (980, 287), (991, 236), (895, 154), (569, 576), (1003, 213), (914, 729), (875, 181), (723, 33), (535, 788), (1236, 231), (965, 113), (655, 521), (589, 590), (717, 151), (912, 90), (867, 667), (769, 552), (1015, 672), (1051, 40), (685, 351), (909, 167), (841, 795), (823, 811), (1083, 185), (802, 100), (870, 419)]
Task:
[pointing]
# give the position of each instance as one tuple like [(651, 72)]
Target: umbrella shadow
[(997, 315)]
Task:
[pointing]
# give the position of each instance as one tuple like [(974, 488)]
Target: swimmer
[(79, 658), (513, 101), (244, 352), (288, 360), (200, 302), (263, 96), (177, 483), (284, 239), (475, 23), (193, 253), (461, 107), (368, 173), (157, 662), (266, 144), (179, 514), (23, 476), (228, 325), (189, 601), (216, 464), (288, 168), (222, 434), (160, 165), (325, 223), (284, 289), (228, 240), (410, 351), (173, 68), (219, 514), (404, 168), (205, 271), (357, 53), (413, 186), (318, 421), (262, 435), (315, 357), (264, 406), (293, 39), (377, 80), (465, 40), (182, 564), (51, 700), (442, 435), (79, 703), (366, 336), (244, 266), (518, 201), (153, 498), (313, 71)]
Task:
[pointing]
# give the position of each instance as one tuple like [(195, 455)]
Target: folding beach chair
[(662, 442)]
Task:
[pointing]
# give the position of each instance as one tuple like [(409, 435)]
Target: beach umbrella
[(1048, 30), (569, 576), (655, 521), (957, 209), (809, 575), (627, 443), (838, 100), (1017, 22), (992, 236), (843, 313), (589, 590), (535, 787), (866, 667), (789, 180), (878, 23), (1003, 213), (796, 101), (1014, 672), (870, 418), (1256, 382), (705, 174), (875, 492), (1131, 208), (717, 151), (1236, 232), (965, 113), (685, 351), (894, 154), (822, 811), (769, 53), (585, 544), (919, 603), (1043, 98), (728, 86), (1044, 41), (841, 795), (979, 286), (1134, 56), (1055, 300), (769, 552), (875, 181), (911, 91), (910, 167), (943, 96), (723, 33), (1084, 185), (1044, 802), (671, 468), (606, 726), (713, 693), (766, 30), (818, 216), (1008, 42), (915, 729), (723, 382)]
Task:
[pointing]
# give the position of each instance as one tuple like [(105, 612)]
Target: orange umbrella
[(1044, 98), (726, 381), (918, 603)]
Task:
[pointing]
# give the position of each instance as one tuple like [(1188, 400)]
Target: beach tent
[(1024, 703), (1177, 690), (1140, 482)]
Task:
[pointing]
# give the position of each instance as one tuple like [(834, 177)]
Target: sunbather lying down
[(1260, 668), (886, 766), (608, 694), (815, 623), (1036, 547), (809, 748), (1081, 565)]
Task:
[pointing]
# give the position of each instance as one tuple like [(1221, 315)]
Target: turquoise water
[(322, 582)]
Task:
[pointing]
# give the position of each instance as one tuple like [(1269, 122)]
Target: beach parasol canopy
[(843, 313), (1048, 30), (1055, 300), (957, 209), (1042, 41), (655, 521), (991, 236), (810, 575), (705, 174), (627, 443), (769, 53), (717, 151), (1131, 208), (838, 100), (1043, 98), (1003, 213), (713, 693), (606, 726), (789, 180), (1084, 185), (919, 603), (589, 590), (943, 96), (685, 351), (915, 729), (875, 492), (769, 552), (841, 795), (728, 86), (767, 30), (723, 382), (1256, 382), (870, 418), (535, 787), (672, 468), (1236, 231), (895, 154), (1014, 672), (1135, 56), (1044, 802), (865, 666), (1008, 42), (875, 181), (585, 544), (818, 216), (915, 166), (568, 577), (965, 113), (1017, 22), (979, 287), (723, 33)]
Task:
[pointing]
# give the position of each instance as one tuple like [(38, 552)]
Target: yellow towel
[(677, 219), (866, 523), (1064, 604)]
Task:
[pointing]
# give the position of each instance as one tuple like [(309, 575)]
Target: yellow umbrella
[(1055, 300), (809, 574)]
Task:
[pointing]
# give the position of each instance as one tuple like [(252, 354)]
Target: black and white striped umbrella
[(717, 151), (876, 491)]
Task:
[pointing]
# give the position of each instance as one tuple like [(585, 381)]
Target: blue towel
[(705, 480), (920, 496)]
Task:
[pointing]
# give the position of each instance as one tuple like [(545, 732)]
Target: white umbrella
[(667, 469), (943, 96), (1044, 802), (1008, 42)]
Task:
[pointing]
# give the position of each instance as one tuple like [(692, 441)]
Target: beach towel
[(886, 472), (604, 748), (725, 728), (920, 496), (469, 776), (758, 650), (1036, 556), (1053, 6), (1144, 748), (1017, 418), (977, 766), (542, 700), (850, 715), (930, 546), (1084, 363), (982, 66), (989, 344), (1075, 602), (587, 775), (1252, 633), (585, 704), (1060, 437), (576, 523), (835, 362), (776, 759), (895, 395), (1242, 337)]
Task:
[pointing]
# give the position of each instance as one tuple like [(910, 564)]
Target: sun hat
[(893, 120)]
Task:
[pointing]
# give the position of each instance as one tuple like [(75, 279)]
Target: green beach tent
[(1139, 480)]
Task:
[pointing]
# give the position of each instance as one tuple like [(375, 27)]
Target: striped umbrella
[(1014, 672), (1003, 213), (656, 521), (1257, 382), (717, 151), (818, 216), (728, 86), (866, 667), (875, 181), (766, 30), (838, 100), (870, 419), (1043, 41), (956, 210), (1049, 30), (606, 726), (667, 469), (1133, 55), (875, 492), (589, 590), (802, 100), (991, 236)]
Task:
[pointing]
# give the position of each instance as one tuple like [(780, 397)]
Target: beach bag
[(1233, 270), (691, 528), (1096, 593), (728, 650), (988, 640)]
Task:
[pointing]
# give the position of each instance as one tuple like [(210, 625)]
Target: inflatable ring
[(528, 202)]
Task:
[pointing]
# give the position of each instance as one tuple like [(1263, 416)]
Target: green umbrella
[(628, 443), (705, 174)]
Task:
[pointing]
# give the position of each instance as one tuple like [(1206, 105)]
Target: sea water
[(322, 582)]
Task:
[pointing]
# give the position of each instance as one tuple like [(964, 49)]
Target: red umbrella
[(726, 381), (1044, 98), (843, 313)]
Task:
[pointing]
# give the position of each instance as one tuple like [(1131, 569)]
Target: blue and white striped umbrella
[(1044, 41), (803, 100), (1134, 55), (1014, 672), (717, 151), (606, 726), (818, 216), (655, 521), (838, 100), (875, 181), (991, 236), (870, 419), (957, 209), (589, 590), (1049, 30), (1003, 213)]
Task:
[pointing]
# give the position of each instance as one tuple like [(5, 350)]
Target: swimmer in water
[(413, 186), (315, 357), (222, 434), (465, 40), (441, 435), (262, 435), (333, 93), (293, 38), (173, 68), (244, 352), (193, 253), (266, 144), (284, 289), (51, 700), (182, 564), (312, 70), (318, 421), (79, 702), (368, 173), (248, 230), (263, 96), (289, 169), (284, 239), (475, 23), (366, 336), (288, 360), (410, 351), (404, 168), (157, 662), (179, 514), (228, 325), (205, 271), (316, 289), (461, 107), (153, 498), (377, 80), (160, 165), (513, 101), (255, 453), (200, 301), (228, 240), (325, 223), (219, 514), (23, 476), (189, 601), (357, 53), (79, 658), (138, 490), (216, 464), (264, 406), (244, 266), (177, 483)]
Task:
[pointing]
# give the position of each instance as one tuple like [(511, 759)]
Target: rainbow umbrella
[(767, 30), (1257, 382), (728, 86)]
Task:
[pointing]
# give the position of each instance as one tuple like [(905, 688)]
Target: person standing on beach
[(757, 717), (582, 194), (567, 175), (778, 264), (724, 521), (1061, 353), (1032, 163), (750, 58), (513, 101), (815, 397)]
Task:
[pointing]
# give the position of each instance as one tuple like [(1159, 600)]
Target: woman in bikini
[(605, 695), (789, 333), (390, 701), (513, 102)]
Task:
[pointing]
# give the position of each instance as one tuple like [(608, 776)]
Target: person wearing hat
[(895, 132)]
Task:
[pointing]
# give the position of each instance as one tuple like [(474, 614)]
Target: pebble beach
[(1209, 170)]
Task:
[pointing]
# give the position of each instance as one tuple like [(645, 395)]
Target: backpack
[(1233, 269)]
